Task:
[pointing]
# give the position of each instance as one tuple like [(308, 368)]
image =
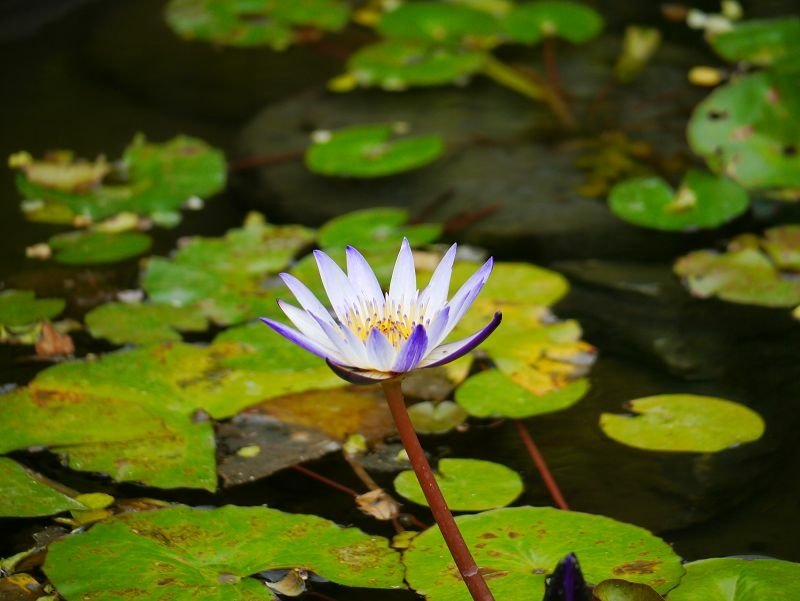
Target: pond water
[(89, 75)]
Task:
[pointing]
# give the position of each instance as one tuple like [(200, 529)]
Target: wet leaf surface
[(365, 151), (684, 423), (761, 42), (529, 22), (516, 548), (734, 579), (92, 247), (441, 23), (701, 201), (182, 553), (143, 323), (156, 179), (25, 494), (436, 418), (376, 231), (467, 484)]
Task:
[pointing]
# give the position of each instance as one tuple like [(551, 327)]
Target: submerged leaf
[(735, 579)]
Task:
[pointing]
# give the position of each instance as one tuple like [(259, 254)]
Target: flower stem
[(541, 465), (444, 519), (319, 477)]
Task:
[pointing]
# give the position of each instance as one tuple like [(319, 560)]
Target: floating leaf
[(683, 423), (615, 589), (225, 277), (374, 231), (21, 308), (467, 485), (436, 418), (749, 129), (783, 246), (143, 323), (441, 23), (366, 151), (702, 201), (181, 553), (761, 42), (516, 283), (268, 23), (25, 494), (529, 22), (517, 547), (150, 180), (735, 579), (91, 247), (395, 65)]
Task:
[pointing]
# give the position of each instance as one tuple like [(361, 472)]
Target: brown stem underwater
[(541, 465)]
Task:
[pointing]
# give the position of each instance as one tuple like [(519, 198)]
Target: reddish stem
[(541, 465), (444, 519), (324, 480), (551, 65)]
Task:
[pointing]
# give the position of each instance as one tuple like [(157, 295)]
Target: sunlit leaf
[(143, 323), (516, 283), (761, 42), (91, 247), (529, 22), (376, 230), (683, 423), (701, 201), (439, 22), (25, 494), (734, 579), (467, 484), (516, 548), (366, 151), (182, 553)]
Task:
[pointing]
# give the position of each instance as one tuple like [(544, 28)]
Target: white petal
[(337, 286), (436, 329), (347, 353), (435, 294), (305, 297), (404, 278), (380, 351), (362, 277), (304, 322)]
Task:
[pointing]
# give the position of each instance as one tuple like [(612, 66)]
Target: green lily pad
[(734, 579), (702, 201), (760, 42), (467, 485), (90, 247), (516, 283), (517, 547), (783, 246), (143, 323), (440, 23), (367, 151), (493, 394), (436, 418), (376, 230), (248, 23), (529, 22), (749, 129), (149, 180), (226, 278), (25, 494), (21, 308), (181, 553), (396, 65), (683, 423), (616, 589)]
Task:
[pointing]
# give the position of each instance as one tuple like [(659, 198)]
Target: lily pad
[(783, 246), (436, 418), (467, 485), (516, 283), (143, 323), (440, 23), (181, 553), (683, 423), (760, 42), (616, 589), (25, 494), (735, 579), (226, 278), (701, 201), (376, 230), (245, 23), (396, 65), (91, 247), (529, 22), (21, 308), (366, 151), (516, 548), (149, 180), (749, 129)]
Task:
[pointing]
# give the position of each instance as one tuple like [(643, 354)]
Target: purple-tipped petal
[(435, 294), (358, 376), (436, 330), (476, 280), (380, 352), (404, 277), (412, 352), (338, 288), (454, 350), (362, 277), (303, 321), (299, 339), (305, 297)]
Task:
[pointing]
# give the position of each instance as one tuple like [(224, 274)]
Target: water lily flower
[(376, 336)]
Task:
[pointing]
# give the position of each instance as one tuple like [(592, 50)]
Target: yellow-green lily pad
[(683, 423), (516, 283), (783, 246), (367, 151), (180, 553), (376, 230), (735, 579), (440, 23), (143, 323), (26, 494), (467, 484), (702, 201), (516, 548), (760, 42), (529, 22), (92, 247)]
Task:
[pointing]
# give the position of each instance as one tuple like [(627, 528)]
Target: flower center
[(394, 321)]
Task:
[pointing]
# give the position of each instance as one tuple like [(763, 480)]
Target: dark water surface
[(94, 76)]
